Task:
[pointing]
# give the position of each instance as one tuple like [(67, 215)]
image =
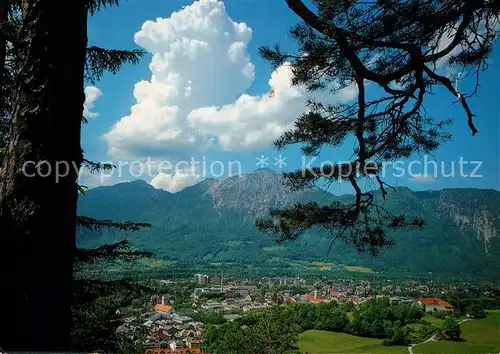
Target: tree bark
[(4, 9), (37, 201)]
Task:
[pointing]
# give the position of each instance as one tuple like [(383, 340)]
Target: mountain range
[(213, 221)]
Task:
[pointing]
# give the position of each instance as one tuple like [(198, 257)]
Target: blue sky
[(198, 128)]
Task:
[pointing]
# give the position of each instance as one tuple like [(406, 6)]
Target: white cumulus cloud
[(422, 178), (92, 93), (196, 96), (174, 182)]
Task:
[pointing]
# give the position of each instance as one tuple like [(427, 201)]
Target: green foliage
[(476, 311), (380, 319), (304, 315), (210, 317), (475, 301), (328, 316), (421, 331), (400, 336), (95, 318), (441, 314), (82, 189), (451, 329), (269, 332), (375, 319), (334, 320)]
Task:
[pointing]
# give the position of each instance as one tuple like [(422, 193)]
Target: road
[(433, 337)]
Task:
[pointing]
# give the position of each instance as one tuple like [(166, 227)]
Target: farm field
[(154, 263), (322, 342), (358, 269)]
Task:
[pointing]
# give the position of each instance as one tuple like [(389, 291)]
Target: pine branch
[(122, 250), (93, 224), (87, 290), (94, 167), (360, 224), (100, 60), (97, 5), (82, 189), (348, 45)]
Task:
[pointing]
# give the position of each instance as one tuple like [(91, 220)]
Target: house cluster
[(165, 329), (233, 304), (179, 333), (428, 304), (328, 294), (237, 298), (232, 298), (173, 329), (295, 281)]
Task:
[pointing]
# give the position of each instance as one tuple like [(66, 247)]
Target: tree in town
[(268, 332), (45, 63), (400, 336), (392, 53), (331, 319), (274, 333), (477, 311)]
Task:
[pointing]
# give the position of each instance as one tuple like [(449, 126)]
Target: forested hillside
[(213, 221)]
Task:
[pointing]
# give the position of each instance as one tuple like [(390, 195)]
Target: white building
[(433, 304)]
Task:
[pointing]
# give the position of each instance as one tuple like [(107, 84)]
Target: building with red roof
[(313, 299), (162, 308), (432, 304)]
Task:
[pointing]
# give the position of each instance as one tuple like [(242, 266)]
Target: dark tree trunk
[(37, 213), (4, 9)]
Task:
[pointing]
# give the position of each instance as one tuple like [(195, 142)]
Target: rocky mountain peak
[(472, 209), (255, 192)]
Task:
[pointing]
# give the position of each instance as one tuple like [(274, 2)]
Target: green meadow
[(322, 342), (480, 336)]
